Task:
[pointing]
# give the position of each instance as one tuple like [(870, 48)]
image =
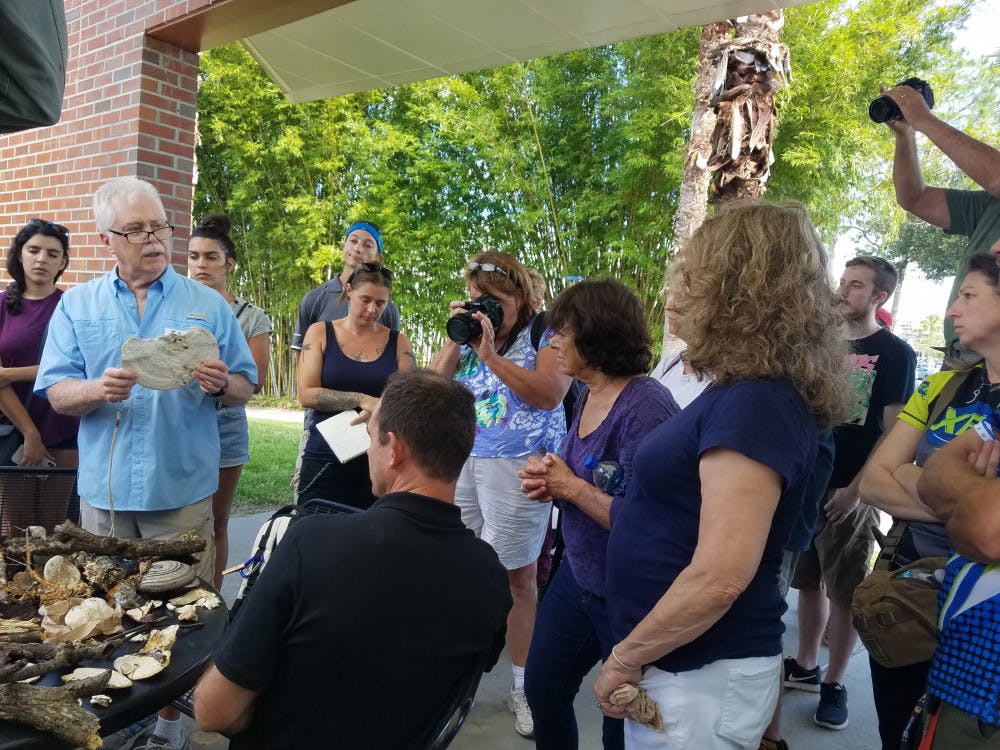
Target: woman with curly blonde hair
[(696, 543)]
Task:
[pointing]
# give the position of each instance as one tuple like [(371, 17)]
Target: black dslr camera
[(884, 109), (463, 328)]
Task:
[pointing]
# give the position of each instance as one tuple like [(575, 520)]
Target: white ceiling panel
[(369, 44)]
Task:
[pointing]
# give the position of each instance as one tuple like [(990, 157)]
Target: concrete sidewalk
[(490, 725)]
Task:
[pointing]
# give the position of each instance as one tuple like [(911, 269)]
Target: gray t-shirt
[(324, 303), (975, 214), (252, 319)]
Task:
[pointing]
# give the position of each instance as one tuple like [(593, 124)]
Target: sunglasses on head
[(376, 268), (36, 222), (487, 267)]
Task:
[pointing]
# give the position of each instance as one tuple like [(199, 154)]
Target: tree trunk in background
[(733, 120), (748, 75), (897, 295), (693, 199)]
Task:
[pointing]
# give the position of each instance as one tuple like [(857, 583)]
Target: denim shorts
[(233, 435)]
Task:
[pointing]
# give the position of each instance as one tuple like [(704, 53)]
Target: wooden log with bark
[(48, 657), (56, 711), (68, 538)]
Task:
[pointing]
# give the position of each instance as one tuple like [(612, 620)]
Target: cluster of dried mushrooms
[(76, 609)]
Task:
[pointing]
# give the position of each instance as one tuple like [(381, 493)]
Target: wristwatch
[(222, 391)]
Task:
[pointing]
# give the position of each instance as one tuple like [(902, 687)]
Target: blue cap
[(590, 462), (370, 228)]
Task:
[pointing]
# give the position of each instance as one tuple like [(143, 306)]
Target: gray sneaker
[(524, 725), (149, 741), (155, 742), (127, 736)]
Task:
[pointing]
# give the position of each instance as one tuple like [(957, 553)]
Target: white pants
[(722, 706)]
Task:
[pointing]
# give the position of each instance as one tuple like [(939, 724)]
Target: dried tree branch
[(55, 711)]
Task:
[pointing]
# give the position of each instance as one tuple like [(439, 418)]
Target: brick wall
[(129, 109)]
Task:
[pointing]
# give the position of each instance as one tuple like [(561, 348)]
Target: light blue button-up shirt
[(166, 449)]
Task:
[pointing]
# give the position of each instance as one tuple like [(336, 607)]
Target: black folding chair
[(34, 496), (452, 718)]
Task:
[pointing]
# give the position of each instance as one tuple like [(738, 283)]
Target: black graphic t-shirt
[(882, 368)]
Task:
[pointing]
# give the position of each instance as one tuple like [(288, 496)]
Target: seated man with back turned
[(362, 626)]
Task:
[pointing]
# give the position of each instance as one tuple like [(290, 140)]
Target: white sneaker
[(518, 704)]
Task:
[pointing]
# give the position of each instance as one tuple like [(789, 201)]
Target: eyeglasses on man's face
[(487, 267), (142, 236), (36, 222), (376, 268)]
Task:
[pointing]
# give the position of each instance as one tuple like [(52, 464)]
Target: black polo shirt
[(361, 625)]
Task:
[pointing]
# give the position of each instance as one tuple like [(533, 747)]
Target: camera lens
[(883, 109), (463, 328)]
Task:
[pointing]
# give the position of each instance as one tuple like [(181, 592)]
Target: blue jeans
[(571, 635)]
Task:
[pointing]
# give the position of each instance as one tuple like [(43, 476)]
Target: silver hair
[(118, 190)]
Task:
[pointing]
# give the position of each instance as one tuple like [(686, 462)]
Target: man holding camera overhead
[(973, 213)]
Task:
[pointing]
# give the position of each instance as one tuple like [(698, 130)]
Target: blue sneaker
[(832, 710)]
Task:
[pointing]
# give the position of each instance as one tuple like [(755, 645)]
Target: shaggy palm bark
[(729, 152)]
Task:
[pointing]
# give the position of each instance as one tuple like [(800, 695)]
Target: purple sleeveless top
[(341, 373), (21, 346)]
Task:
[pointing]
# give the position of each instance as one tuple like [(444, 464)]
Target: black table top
[(188, 659)]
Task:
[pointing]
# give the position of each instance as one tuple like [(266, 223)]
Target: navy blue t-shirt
[(654, 529)]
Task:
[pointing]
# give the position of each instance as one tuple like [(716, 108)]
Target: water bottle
[(608, 475)]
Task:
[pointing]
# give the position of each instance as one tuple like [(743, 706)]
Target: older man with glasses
[(148, 458)]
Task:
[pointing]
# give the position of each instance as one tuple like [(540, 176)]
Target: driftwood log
[(55, 711), (68, 538), (47, 657)]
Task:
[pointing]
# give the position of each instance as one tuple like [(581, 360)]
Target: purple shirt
[(641, 406), (21, 346)]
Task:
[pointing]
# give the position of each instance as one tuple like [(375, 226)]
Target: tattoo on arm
[(411, 355), (330, 401), (306, 347)]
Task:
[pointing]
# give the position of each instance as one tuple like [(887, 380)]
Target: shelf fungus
[(166, 575), (152, 658), (101, 701), (74, 620), (118, 681), (169, 361)]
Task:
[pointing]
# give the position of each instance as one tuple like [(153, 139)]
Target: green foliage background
[(572, 162)]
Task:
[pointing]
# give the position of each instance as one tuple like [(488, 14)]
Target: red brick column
[(129, 109)]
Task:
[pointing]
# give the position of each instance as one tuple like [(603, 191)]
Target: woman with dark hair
[(601, 338), (37, 258), (211, 260), (519, 389), (890, 477), (343, 367), (696, 544)]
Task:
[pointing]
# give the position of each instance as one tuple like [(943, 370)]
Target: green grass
[(264, 484)]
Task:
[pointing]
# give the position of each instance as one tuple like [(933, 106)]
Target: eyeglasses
[(142, 236), (376, 268), (36, 222), (487, 267)]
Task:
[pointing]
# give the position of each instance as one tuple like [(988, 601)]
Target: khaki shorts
[(159, 524), (838, 557)]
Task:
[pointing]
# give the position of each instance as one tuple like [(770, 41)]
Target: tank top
[(341, 373)]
